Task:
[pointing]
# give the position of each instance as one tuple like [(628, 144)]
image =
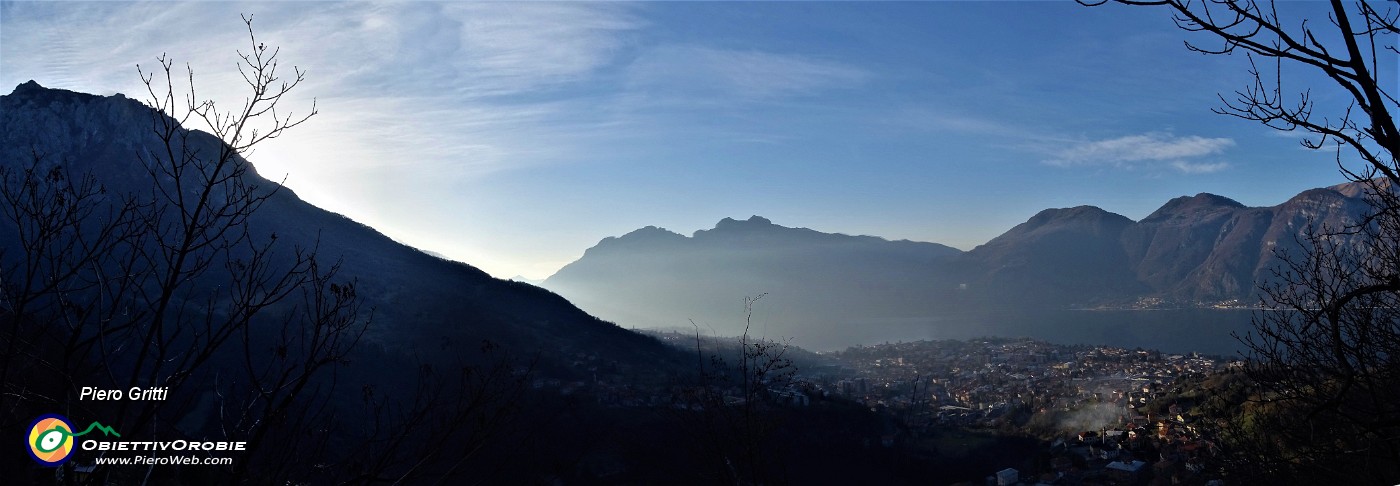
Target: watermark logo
[(51, 436)]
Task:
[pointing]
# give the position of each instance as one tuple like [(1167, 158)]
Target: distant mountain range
[(1199, 250), (418, 298), (653, 277), (1192, 251)]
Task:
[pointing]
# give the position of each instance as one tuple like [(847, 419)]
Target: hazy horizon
[(515, 136)]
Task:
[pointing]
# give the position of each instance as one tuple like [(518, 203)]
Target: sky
[(513, 136)]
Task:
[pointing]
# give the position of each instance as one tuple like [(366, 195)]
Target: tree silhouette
[(737, 411), (116, 288), (1325, 352), (171, 277)]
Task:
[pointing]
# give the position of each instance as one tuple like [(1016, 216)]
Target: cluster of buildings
[(969, 382), (611, 385), (1103, 407), (1104, 412)]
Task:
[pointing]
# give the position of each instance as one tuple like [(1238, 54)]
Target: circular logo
[(50, 439)]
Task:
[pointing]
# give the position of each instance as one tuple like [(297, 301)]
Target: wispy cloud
[(399, 84), (1136, 151), (467, 49), (417, 100), (530, 45), (930, 119), (1199, 167), (745, 74)]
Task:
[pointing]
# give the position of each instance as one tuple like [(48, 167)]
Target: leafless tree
[(738, 404), (286, 400), (195, 229), (1324, 352), (177, 285), (147, 288)]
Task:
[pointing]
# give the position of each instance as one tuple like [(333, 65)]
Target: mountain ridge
[(418, 297), (1201, 250)]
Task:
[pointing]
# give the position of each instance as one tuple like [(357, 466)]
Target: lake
[(1206, 331)]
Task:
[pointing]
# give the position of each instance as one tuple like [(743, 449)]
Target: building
[(1008, 477)]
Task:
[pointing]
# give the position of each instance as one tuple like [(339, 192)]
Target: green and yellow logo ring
[(51, 439)]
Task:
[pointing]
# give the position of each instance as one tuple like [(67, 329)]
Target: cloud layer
[(1146, 150), (745, 74)]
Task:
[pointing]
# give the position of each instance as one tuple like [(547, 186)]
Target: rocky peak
[(26, 88), (1192, 206), (1359, 189), (1075, 216), (753, 222)]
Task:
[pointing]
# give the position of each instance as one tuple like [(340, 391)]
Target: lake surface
[(1206, 331)]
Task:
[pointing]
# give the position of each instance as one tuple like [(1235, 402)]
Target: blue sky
[(513, 136)]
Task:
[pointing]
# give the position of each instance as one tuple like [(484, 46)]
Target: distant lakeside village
[(1106, 412), (1101, 415)]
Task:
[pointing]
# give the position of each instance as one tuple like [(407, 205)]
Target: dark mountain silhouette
[(418, 298), (1169, 244), (401, 404), (1210, 248), (1077, 248), (656, 278), (1194, 251)]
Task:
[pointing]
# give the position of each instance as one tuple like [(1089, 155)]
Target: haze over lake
[(1206, 331)]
